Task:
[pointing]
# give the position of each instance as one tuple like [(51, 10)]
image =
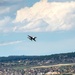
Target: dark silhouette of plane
[(32, 38)]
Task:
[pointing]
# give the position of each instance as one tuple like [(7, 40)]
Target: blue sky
[(51, 21)]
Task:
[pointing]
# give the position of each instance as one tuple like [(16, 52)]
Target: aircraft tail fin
[(34, 38)]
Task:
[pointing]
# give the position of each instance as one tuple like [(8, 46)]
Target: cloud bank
[(46, 16)]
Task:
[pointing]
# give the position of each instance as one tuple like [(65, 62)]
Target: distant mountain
[(49, 59)]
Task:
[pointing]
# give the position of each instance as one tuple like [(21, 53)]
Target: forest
[(54, 58)]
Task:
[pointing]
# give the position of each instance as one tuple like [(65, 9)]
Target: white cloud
[(4, 21), (10, 43), (55, 15), (5, 24), (4, 10), (13, 1)]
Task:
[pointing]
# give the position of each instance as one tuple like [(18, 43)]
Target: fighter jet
[(31, 38)]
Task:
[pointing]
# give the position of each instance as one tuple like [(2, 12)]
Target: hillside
[(49, 59), (63, 64)]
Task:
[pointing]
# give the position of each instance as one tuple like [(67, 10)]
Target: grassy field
[(58, 65), (48, 66)]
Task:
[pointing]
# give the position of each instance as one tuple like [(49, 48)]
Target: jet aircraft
[(31, 38)]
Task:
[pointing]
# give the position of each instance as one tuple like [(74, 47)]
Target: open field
[(58, 65)]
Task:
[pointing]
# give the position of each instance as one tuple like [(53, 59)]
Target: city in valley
[(56, 64)]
